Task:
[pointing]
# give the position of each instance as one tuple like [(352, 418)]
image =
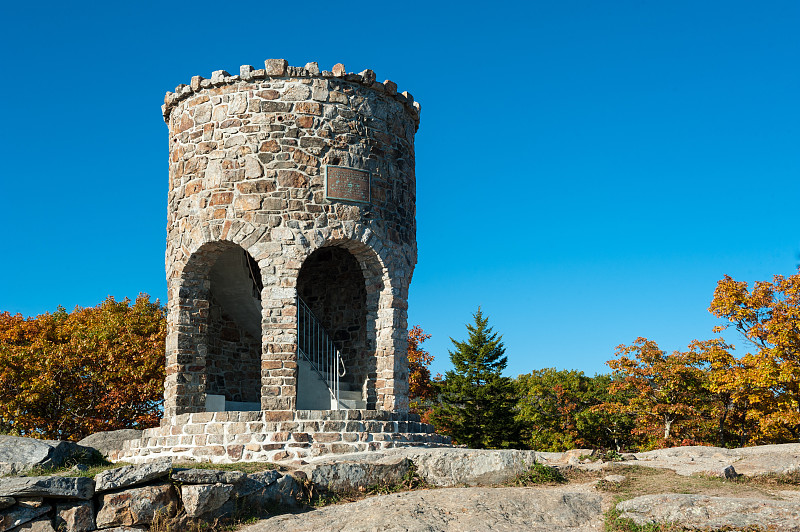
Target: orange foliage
[(660, 390), (768, 381), (708, 395), (420, 387), (66, 375)]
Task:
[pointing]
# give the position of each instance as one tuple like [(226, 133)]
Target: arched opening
[(332, 304), (233, 338)]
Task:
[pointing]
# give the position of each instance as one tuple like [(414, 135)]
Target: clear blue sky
[(586, 171)]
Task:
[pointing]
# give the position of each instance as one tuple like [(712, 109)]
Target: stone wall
[(274, 436), (133, 498), (233, 364), (247, 160)]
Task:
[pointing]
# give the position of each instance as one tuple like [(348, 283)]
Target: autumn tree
[(661, 391), (768, 318), (66, 375), (558, 410), (476, 404), (421, 388), (549, 403)]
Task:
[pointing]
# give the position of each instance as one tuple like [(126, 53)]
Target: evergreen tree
[(476, 403)]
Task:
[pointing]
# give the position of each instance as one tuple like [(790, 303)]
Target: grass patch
[(82, 464), (410, 481), (317, 498), (538, 474), (771, 479), (615, 523)]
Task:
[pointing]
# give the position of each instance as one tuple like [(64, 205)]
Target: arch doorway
[(334, 348), (233, 360)]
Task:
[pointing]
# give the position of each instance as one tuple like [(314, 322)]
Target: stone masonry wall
[(247, 159), (234, 362), (227, 437)]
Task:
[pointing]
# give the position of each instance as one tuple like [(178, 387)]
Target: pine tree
[(476, 403)]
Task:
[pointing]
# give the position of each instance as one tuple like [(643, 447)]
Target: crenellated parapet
[(279, 68)]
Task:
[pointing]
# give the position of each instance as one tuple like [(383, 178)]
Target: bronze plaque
[(349, 184)]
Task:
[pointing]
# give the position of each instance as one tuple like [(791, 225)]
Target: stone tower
[(291, 209)]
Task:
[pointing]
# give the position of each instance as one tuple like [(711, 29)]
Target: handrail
[(316, 346)]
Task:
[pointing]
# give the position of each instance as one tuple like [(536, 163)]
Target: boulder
[(20, 514), (255, 482), (42, 524), (136, 506), (472, 467), (451, 510), (75, 517), (208, 476), (123, 477), (703, 511), (53, 486), (353, 475), (111, 440), (126, 529), (261, 491), (204, 499), (19, 455)]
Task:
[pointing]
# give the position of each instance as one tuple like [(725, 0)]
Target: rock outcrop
[(129, 498), (702, 511), (20, 455), (451, 509), (110, 441)]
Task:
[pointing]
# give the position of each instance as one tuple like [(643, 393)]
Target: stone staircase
[(313, 392)]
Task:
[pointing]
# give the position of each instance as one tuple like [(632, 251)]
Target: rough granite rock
[(209, 476), (6, 502), (61, 487), (20, 514), (472, 467), (204, 499), (132, 475), (126, 529), (749, 461), (136, 506), (268, 488), (352, 475), (18, 455), (111, 440), (700, 511), (75, 517), (43, 524), (451, 509), (255, 482)]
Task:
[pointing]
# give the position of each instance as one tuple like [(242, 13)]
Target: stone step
[(352, 404)]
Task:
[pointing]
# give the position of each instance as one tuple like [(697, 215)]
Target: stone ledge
[(278, 69)]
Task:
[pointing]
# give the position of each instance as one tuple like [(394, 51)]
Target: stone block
[(338, 70), (312, 68), (204, 499), (275, 67), (326, 437), (122, 477), (59, 487), (75, 517), (342, 448), (136, 506)]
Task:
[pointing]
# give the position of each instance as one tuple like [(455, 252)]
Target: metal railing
[(317, 347)]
